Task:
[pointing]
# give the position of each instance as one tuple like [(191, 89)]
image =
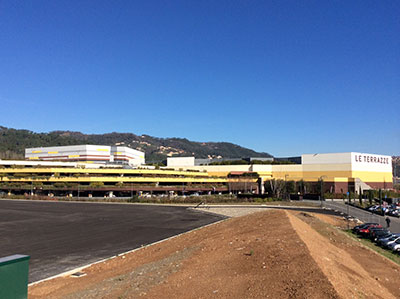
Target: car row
[(389, 210), (381, 236), (387, 242)]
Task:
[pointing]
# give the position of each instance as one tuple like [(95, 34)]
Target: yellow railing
[(128, 179), (102, 171), (115, 179)]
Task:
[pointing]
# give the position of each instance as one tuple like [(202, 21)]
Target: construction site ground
[(264, 254)]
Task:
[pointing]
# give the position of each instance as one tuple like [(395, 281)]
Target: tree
[(370, 196), (290, 187), (300, 186), (276, 187)]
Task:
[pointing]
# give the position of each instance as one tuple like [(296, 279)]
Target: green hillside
[(13, 143)]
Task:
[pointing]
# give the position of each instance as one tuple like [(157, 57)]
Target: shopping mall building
[(340, 172), (90, 170)]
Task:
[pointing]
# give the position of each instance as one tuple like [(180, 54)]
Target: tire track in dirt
[(347, 276)]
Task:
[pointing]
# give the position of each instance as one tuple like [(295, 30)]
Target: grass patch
[(368, 243)]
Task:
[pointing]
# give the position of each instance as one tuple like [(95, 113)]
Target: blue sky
[(284, 77)]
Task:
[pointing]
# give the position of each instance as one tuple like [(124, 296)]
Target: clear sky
[(284, 77)]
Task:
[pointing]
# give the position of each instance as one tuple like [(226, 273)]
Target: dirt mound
[(368, 267), (349, 278)]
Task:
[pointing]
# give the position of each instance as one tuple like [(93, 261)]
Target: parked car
[(357, 228), (395, 246), (385, 243), (394, 213), (376, 233), (372, 208), (380, 240), (364, 232), (391, 210)]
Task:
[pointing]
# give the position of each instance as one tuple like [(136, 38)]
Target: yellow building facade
[(341, 172)]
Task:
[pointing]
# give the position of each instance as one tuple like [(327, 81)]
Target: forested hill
[(13, 143)]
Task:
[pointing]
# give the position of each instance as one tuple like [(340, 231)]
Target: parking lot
[(363, 215), (60, 236)]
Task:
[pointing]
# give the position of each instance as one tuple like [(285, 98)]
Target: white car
[(395, 246), (373, 208), (388, 241)]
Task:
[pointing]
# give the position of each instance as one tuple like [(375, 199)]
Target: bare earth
[(268, 254)]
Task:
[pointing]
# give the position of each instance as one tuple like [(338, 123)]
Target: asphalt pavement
[(61, 236)]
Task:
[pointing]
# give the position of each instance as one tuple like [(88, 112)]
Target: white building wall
[(94, 152), (123, 154), (336, 158), (352, 161), (180, 161), (261, 168), (371, 162)]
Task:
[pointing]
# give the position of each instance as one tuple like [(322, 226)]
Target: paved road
[(215, 208), (60, 236), (364, 215)]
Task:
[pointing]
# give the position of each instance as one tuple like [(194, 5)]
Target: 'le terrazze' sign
[(372, 159)]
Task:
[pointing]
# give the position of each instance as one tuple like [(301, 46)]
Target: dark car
[(376, 233), (394, 213)]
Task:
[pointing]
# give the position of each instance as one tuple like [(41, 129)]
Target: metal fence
[(362, 215)]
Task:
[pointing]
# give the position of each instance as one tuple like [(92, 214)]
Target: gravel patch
[(230, 212)]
